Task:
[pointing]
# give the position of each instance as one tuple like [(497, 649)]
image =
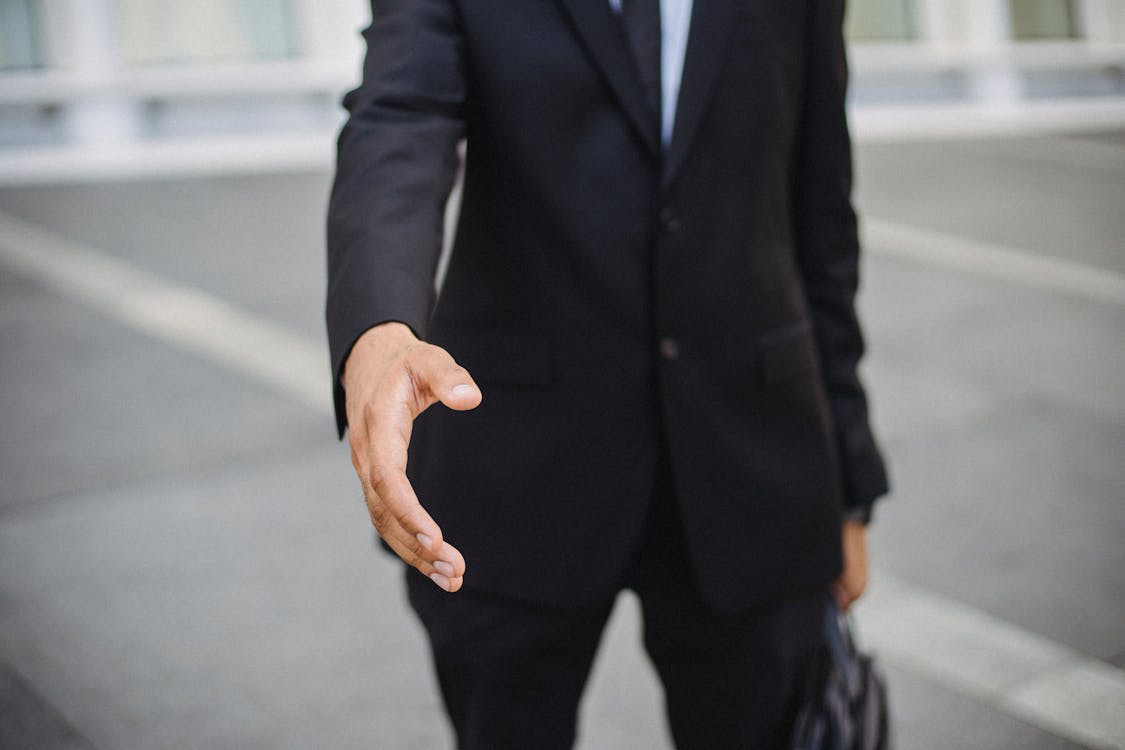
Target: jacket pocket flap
[(498, 357)]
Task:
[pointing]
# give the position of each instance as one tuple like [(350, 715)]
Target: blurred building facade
[(80, 78)]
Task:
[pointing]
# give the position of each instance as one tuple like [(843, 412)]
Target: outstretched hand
[(390, 378)]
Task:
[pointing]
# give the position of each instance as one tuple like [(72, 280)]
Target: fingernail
[(425, 540), (441, 581), (463, 390), (444, 568)]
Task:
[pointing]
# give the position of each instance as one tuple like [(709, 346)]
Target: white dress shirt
[(675, 22)]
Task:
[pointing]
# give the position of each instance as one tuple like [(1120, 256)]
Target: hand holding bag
[(845, 705)]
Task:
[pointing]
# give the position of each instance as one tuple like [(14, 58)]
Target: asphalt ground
[(185, 561)]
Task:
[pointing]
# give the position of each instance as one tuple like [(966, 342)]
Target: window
[(19, 35), (880, 19), (1042, 19), (174, 31)]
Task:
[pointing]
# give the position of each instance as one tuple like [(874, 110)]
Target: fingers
[(395, 512), (845, 595), (447, 575), (410, 531)]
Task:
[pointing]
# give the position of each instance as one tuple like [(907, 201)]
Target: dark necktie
[(642, 27)]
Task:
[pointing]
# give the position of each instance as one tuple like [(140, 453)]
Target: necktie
[(642, 28)]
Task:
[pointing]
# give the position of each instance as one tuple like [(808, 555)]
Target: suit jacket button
[(669, 219), (669, 348)]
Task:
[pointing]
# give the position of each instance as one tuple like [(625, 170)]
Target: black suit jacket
[(608, 295)]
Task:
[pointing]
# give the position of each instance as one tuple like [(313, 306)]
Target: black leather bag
[(845, 705)]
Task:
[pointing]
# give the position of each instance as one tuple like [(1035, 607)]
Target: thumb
[(452, 384), (462, 395)]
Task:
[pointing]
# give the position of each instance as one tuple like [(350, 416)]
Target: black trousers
[(512, 673)]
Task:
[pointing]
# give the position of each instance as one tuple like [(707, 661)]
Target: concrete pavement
[(185, 560)]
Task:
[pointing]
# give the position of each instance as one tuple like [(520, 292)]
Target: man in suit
[(646, 340)]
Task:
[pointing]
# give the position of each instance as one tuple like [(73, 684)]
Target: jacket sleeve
[(396, 163), (828, 248)]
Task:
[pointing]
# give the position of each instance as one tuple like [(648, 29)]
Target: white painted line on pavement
[(964, 649), (176, 314), (993, 261), (1002, 665), (1082, 698)]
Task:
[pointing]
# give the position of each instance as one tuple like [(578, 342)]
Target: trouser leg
[(730, 681), (511, 673)]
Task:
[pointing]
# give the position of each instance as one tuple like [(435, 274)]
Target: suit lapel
[(602, 35), (708, 40)]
